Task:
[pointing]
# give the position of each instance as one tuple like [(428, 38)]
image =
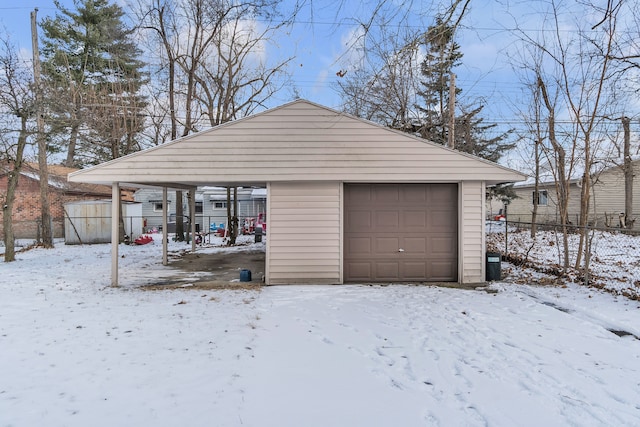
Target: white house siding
[(304, 233), (472, 235)]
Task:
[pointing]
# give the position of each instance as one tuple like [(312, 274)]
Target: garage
[(401, 232), (347, 200)]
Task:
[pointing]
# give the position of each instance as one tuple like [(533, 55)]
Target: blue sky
[(319, 41), (319, 44)]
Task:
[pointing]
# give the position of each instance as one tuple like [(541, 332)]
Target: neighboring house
[(210, 206), (348, 201), (607, 199), (27, 206)]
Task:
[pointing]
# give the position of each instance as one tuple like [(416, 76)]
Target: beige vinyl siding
[(299, 141), (472, 208), (304, 233), (608, 195), (520, 208)]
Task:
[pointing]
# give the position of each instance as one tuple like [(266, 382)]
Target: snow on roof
[(259, 193), (57, 178)]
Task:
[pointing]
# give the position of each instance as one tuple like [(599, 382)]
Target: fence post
[(587, 255), (506, 236)]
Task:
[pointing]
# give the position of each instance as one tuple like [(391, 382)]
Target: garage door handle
[(400, 250)]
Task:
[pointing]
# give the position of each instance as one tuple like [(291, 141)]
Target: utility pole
[(45, 214), (451, 141)]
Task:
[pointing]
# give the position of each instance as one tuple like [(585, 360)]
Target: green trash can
[(493, 266)]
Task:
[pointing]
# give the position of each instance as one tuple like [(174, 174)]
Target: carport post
[(115, 231), (192, 217), (165, 228)]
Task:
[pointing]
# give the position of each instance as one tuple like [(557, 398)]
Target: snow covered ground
[(75, 352), (615, 257)]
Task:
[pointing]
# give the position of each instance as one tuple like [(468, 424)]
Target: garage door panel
[(386, 193), (441, 271), (414, 218), (441, 195), (414, 193), (412, 230), (359, 270), (415, 270), (362, 196), (387, 270), (442, 246), (359, 245), (442, 219), (387, 221), (414, 245), (387, 245), (359, 221)]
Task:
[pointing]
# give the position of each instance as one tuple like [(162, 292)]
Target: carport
[(347, 200)]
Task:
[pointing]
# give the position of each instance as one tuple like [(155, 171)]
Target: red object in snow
[(143, 240), (260, 222)]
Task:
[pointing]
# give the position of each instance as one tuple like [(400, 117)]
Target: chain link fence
[(609, 258)]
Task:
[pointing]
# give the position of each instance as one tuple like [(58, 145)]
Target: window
[(198, 207), (543, 199), (157, 206), (219, 205)]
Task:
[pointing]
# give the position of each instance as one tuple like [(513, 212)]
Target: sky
[(320, 40)]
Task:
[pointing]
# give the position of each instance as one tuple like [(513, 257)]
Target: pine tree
[(471, 134), (94, 78), (442, 55)]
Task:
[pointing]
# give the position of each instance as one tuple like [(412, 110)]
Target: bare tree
[(16, 99), (534, 132), (627, 169), (562, 168), (46, 224), (383, 64), (383, 86), (215, 72), (577, 65)]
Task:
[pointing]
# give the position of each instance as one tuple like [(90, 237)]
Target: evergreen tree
[(471, 134), (442, 55), (94, 78)]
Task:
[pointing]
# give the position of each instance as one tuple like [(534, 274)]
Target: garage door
[(401, 232)]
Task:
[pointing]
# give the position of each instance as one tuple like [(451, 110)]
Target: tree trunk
[(628, 174), (536, 189), (234, 221), (12, 185), (7, 214), (45, 214), (71, 150), (7, 221), (562, 183), (179, 217)]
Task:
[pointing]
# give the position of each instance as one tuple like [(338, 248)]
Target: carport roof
[(298, 141)]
